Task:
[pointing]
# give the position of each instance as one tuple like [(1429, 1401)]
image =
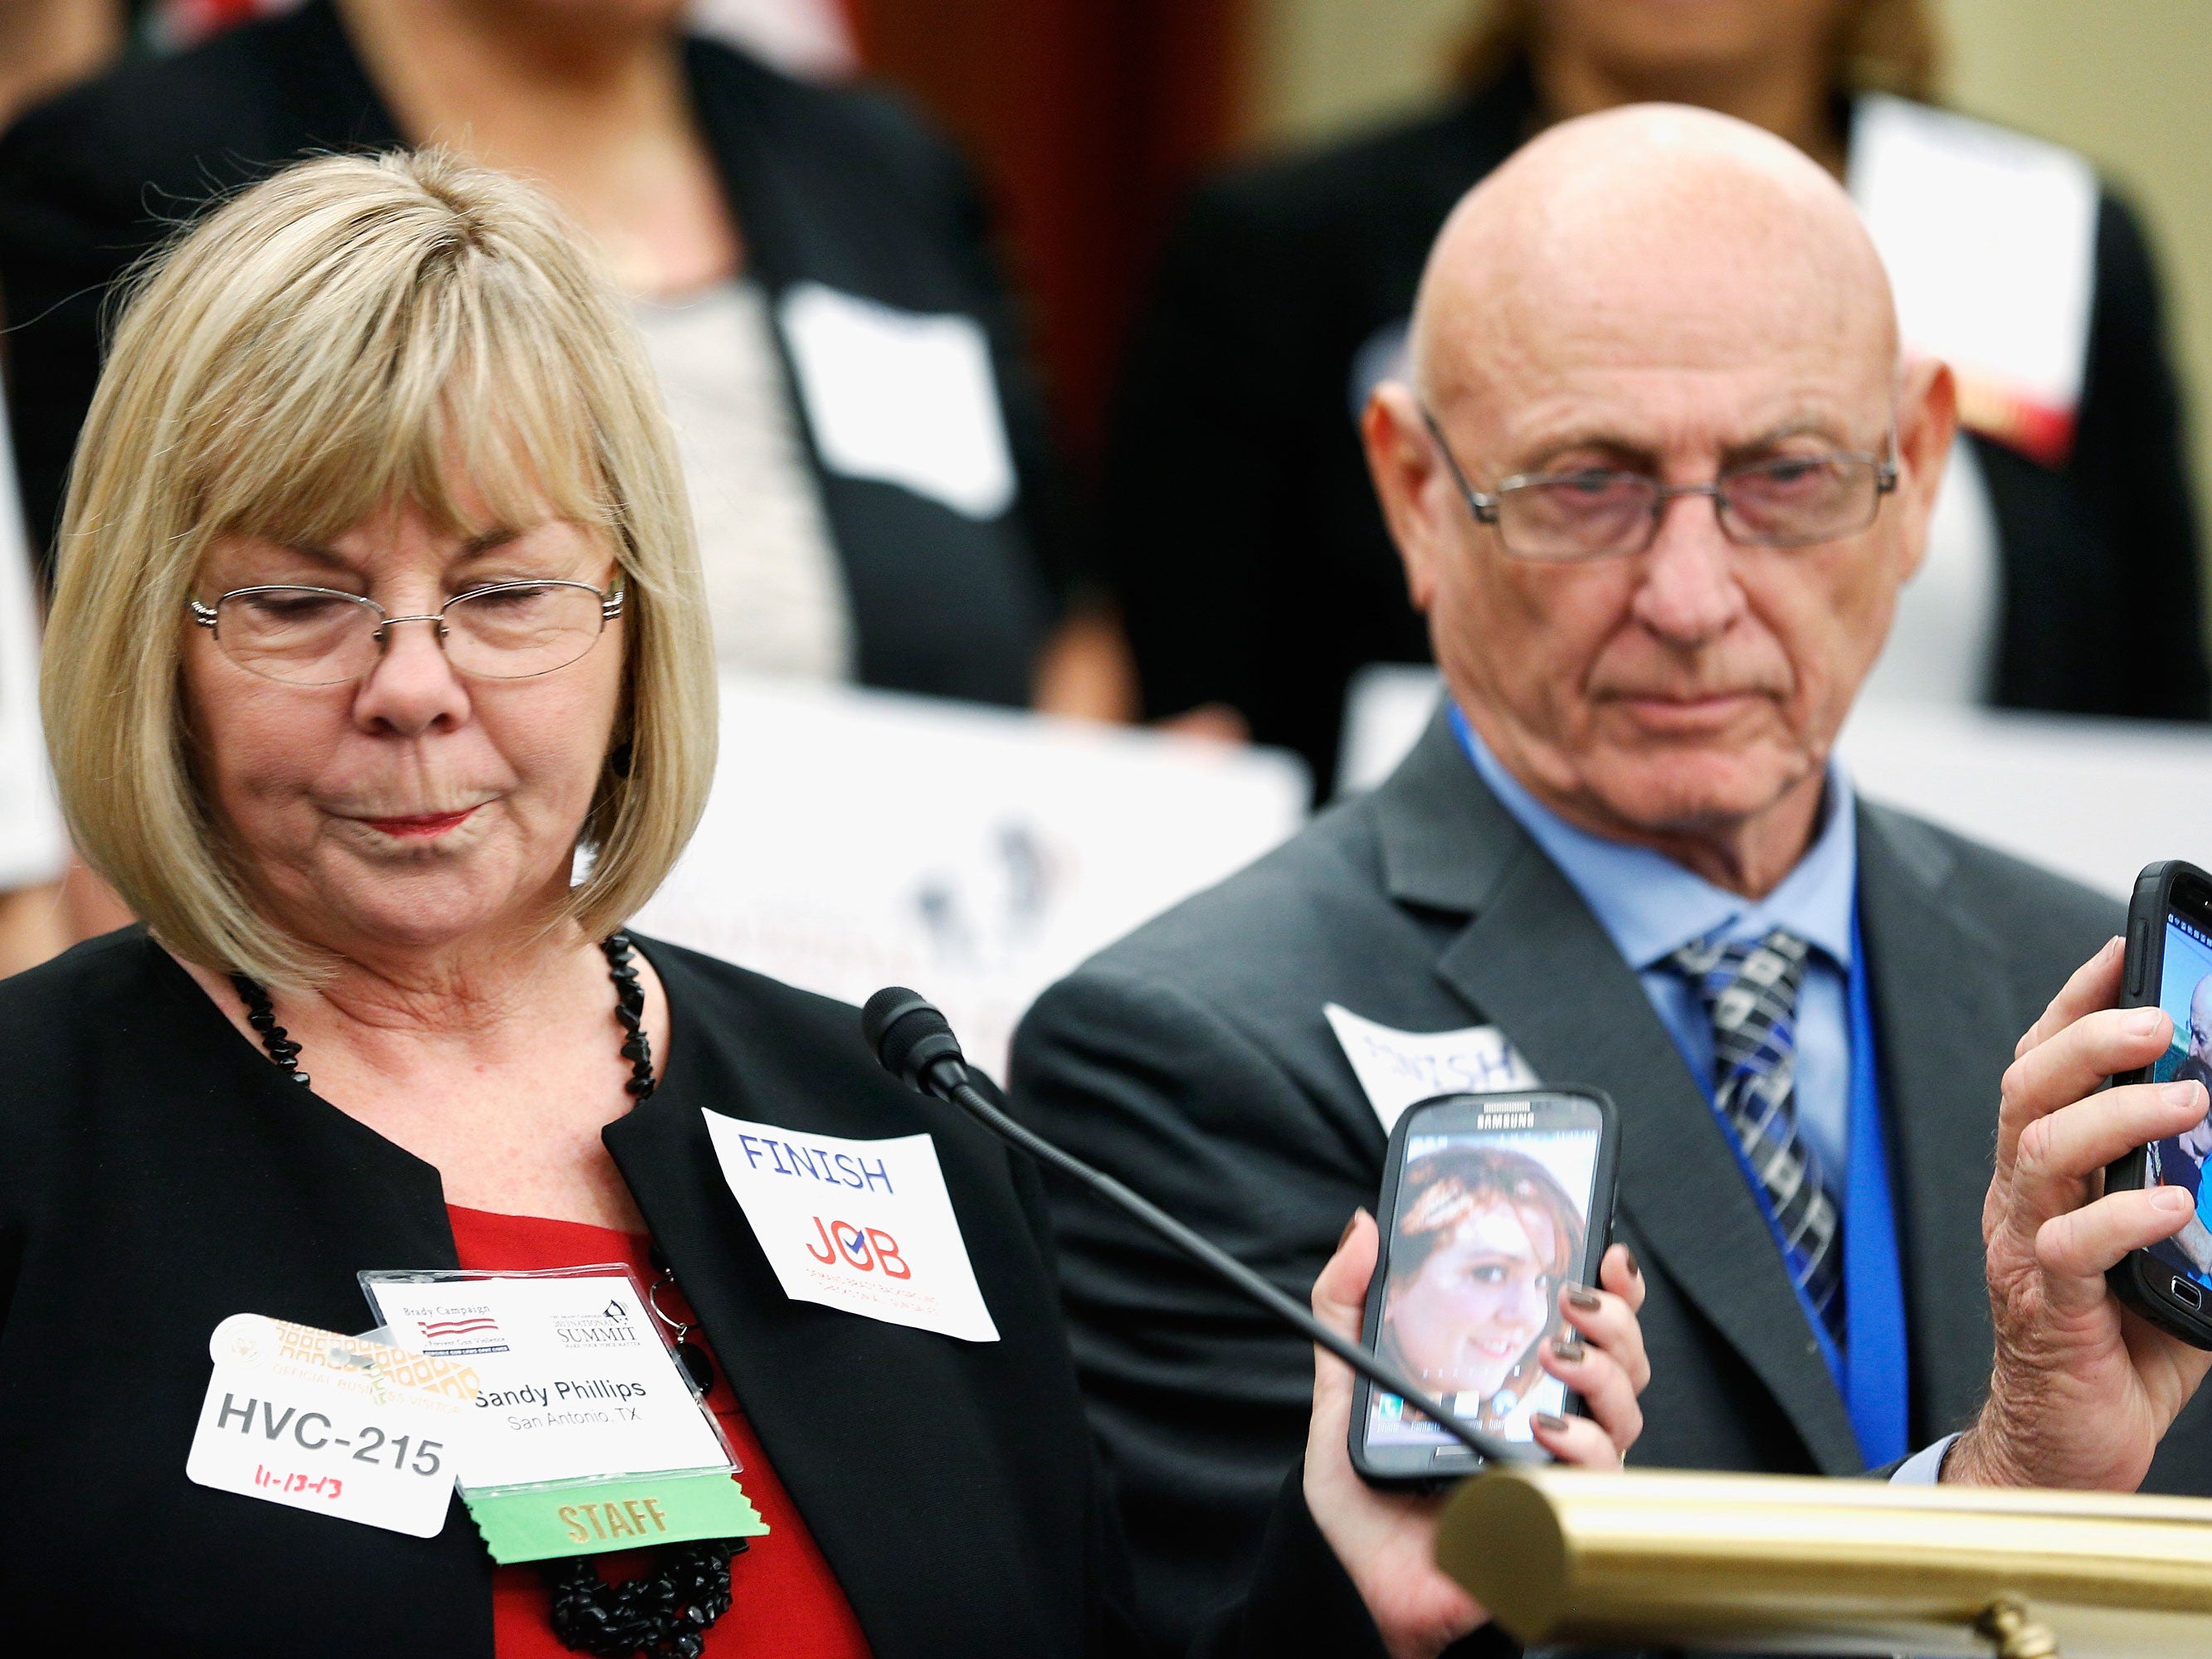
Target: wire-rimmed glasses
[(306, 635), (1603, 513)]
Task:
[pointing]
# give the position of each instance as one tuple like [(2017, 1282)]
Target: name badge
[(584, 1435), (866, 1226), (1398, 1068), (903, 397), (574, 1381), (337, 1425)]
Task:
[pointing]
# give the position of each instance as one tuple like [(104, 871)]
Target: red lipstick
[(424, 826)]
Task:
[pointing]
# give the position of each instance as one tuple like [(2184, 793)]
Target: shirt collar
[(1651, 906)]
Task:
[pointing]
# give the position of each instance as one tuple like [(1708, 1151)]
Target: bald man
[(1656, 483)]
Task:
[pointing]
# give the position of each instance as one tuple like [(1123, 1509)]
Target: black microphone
[(914, 1042)]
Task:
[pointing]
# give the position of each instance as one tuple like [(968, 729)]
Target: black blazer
[(1193, 1060), (829, 185), (1241, 530), (157, 1174)]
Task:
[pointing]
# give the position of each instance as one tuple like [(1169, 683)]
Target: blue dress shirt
[(1651, 907)]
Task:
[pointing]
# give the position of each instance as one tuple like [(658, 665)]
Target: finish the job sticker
[(866, 1226)]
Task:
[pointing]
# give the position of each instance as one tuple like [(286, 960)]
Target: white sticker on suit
[(903, 397), (1397, 1068), (863, 1225), (313, 1419)]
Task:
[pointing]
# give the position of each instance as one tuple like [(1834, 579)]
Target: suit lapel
[(1944, 1033), (870, 1468), (1535, 960)]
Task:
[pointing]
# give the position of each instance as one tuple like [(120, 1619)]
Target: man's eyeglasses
[(323, 636), (1603, 513)]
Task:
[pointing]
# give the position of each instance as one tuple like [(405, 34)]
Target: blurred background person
[(46, 46), (865, 452), (1243, 534)]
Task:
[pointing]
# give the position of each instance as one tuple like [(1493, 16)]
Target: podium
[(1767, 1563)]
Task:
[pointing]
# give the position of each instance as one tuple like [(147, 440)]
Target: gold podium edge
[(1777, 1563)]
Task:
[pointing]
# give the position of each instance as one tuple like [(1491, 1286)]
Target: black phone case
[(2140, 1279), (1604, 1181)]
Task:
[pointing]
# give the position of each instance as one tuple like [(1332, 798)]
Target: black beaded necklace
[(666, 1614)]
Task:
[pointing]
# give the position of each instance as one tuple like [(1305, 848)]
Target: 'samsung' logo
[(609, 1327)]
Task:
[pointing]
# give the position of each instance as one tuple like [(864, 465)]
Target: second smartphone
[(2169, 966), (1490, 1204)]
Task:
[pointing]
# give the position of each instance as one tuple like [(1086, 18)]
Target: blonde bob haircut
[(353, 332)]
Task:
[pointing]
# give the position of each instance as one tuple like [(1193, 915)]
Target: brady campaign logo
[(464, 1330), (864, 1249)]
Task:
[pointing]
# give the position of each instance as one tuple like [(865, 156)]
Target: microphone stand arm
[(951, 1077)]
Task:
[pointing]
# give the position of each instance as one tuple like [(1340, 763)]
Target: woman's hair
[(1446, 1188), (1879, 46), (353, 332)]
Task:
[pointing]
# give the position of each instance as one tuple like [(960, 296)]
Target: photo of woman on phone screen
[(1485, 1239)]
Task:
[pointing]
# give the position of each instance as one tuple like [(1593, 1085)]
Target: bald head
[(1660, 477), (1654, 235)]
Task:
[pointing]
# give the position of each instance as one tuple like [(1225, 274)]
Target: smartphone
[(1490, 1204), (2169, 966)]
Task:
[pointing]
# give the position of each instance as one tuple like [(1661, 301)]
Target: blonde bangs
[(348, 334), (459, 380)]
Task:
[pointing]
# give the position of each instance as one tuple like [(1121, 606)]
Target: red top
[(784, 1601)]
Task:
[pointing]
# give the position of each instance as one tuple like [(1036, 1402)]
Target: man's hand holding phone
[(2082, 1388)]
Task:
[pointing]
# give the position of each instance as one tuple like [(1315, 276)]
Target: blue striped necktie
[(1750, 993)]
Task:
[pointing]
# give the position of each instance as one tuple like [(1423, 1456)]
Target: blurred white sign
[(1386, 708), (32, 846), (2095, 800), (1990, 239), (905, 396), (857, 839)]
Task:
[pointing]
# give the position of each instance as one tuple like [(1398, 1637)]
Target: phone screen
[(1490, 1218), (2184, 991)]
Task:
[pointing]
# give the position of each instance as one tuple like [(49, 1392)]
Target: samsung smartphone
[(2169, 965), (1490, 1204)]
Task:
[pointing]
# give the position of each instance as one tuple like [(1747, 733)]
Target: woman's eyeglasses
[(1602, 512), (321, 636)]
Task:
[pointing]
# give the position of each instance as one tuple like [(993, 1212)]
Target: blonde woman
[(378, 602)]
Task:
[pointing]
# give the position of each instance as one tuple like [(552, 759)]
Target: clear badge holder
[(586, 1434)]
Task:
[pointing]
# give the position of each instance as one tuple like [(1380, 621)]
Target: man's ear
[(1403, 462), (1927, 421)]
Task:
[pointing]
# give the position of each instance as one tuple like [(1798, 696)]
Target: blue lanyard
[(1875, 1372)]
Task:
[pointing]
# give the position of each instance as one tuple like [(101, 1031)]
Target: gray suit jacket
[(1193, 1060)]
